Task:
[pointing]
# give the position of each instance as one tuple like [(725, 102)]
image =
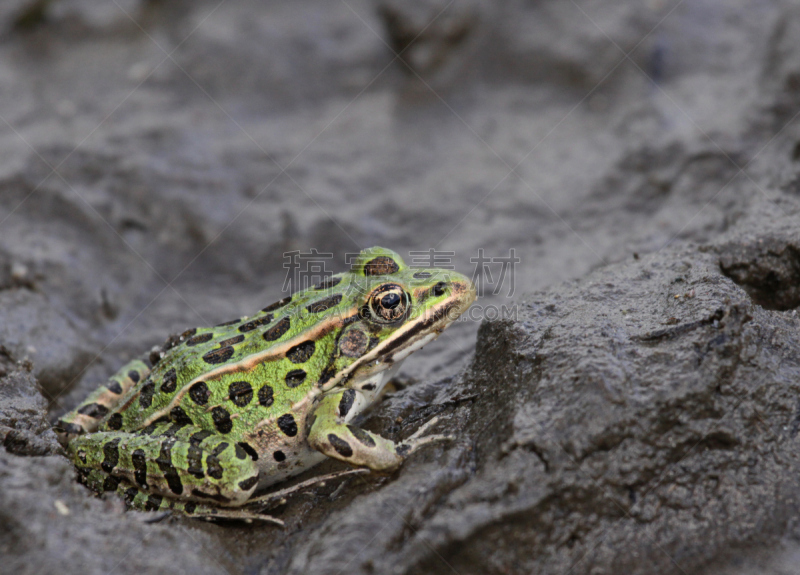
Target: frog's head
[(400, 309)]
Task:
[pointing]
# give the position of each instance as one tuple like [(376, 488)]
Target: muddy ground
[(637, 407)]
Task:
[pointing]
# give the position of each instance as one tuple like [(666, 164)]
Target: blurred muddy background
[(637, 412)]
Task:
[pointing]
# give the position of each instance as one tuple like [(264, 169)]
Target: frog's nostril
[(439, 288)]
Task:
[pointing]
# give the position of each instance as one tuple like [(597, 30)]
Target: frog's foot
[(283, 493), (213, 513), (415, 441), (247, 512)]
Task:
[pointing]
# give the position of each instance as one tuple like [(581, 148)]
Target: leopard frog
[(218, 412)]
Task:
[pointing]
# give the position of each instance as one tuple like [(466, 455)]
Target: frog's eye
[(388, 304)]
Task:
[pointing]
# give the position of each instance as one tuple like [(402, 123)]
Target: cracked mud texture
[(641, 411)]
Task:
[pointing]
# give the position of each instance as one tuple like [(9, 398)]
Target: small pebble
[(18, 272), (61, 507)]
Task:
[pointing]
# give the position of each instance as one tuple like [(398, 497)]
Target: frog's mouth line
[(399, 342), (433, 325), (436, 322)]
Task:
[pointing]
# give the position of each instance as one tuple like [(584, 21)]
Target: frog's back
[(227, 376)]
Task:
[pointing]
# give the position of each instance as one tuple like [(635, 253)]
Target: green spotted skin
[(224, 410)]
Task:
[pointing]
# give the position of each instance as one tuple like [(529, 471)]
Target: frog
[(215, 414)]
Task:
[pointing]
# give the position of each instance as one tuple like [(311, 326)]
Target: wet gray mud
[(635, 410)]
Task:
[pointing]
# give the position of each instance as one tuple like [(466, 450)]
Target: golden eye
[(388, 303)]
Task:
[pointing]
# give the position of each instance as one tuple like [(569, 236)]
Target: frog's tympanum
[(229, 409)]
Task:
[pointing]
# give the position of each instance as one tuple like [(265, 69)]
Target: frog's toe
[(412, 444), (211, 514), (421, 431), (419, 439)]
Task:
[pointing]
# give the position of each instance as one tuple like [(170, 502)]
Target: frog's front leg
[(87, 416), (182, 463), (332, 435)]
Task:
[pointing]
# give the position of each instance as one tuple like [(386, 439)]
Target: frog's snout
[(463, 296)]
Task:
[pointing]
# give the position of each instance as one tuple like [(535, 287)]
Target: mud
[(637, 408)]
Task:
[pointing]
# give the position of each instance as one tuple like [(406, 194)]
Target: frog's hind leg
[(141, 500), (170, 460), (87, 416)]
